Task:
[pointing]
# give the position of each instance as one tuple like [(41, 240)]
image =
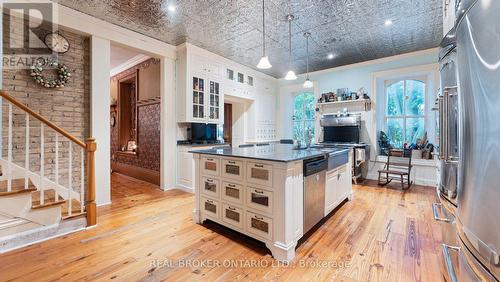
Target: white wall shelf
[(366, 103)]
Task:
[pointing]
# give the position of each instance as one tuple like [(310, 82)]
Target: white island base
[(261, 199)]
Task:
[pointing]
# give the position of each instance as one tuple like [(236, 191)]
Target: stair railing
[(87, 194)]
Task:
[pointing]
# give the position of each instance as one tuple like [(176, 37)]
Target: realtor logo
[(25, 26)]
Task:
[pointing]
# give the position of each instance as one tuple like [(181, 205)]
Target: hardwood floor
[(384, 234)]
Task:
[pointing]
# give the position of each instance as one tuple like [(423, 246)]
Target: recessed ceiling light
[(330, 56), (388, 22), (171, 8)]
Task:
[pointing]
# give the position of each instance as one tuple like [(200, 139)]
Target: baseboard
[(183, 188), (140, 173)]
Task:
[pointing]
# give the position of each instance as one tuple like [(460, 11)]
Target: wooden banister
[(90, 205), (36, 115), (89, 146)]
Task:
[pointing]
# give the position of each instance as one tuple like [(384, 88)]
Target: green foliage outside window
[(405, 112), (303, 117)]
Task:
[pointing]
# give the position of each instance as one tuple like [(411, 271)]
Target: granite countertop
[(181, 143), (273, 152)]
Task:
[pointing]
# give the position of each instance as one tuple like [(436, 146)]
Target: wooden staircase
[(34, 205)]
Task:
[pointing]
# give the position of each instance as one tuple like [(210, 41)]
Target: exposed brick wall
[(67, 107)]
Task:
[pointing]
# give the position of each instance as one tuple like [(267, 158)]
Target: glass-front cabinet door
[(198, 97), (214, 101)]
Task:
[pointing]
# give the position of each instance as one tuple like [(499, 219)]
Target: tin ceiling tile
[(353, 30)]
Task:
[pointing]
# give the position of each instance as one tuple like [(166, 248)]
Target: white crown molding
[(128, 64)]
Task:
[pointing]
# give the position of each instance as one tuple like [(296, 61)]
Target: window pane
[(415, 93), (414, 129), (298, 129), (395, 132), (309, 100), (310, 127), (298, 107), (395, 95)]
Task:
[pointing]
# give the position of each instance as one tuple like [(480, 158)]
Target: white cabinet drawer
[(259, 199), (232, 192), (210, 166), (259, 225), (210, 208), (260, 174), (232, 215), (210, 187), (232, 169)]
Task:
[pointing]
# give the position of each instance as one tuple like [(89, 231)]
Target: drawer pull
[(231, 208), (232, 162), (231, 185), (210, 160), (449, 264), (210, 201), (258, 165), (210, 180), (259, 218), (259, 191)]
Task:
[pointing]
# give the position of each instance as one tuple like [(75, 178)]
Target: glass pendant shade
[(308, 83), (290, 75), (264, 63)]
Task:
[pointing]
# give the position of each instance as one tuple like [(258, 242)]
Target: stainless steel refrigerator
[(478, 212), (448, 107)]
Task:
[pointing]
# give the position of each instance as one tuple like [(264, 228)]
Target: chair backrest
[(245, 145), (263, 144), (399, 160), (286, 141)]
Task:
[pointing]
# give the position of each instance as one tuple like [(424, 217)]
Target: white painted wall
[(354, 77), (99, 115)]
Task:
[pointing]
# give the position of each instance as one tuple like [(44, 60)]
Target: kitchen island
[(261, 192)]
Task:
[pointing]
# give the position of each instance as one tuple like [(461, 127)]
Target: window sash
[(405, 116)]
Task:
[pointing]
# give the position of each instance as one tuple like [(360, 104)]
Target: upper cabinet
[(448, 15), (199, 89)]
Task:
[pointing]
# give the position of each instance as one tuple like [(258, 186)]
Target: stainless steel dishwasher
[(314, 191)]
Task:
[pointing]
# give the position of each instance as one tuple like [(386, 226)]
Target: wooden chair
[(398, 167)]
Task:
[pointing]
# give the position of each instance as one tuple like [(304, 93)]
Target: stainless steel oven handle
[(436, 214), (449, 264)]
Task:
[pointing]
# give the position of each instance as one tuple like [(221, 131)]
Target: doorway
[(135, 115), (228, 123)]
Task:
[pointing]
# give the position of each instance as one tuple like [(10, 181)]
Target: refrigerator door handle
[(449, 264), (441, 128), (436, 214)]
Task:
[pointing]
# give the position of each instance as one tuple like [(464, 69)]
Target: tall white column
[(168, 138), (99, 116)]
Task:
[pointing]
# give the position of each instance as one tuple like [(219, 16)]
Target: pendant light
[(264, 61), (290, 75), (308, 83)]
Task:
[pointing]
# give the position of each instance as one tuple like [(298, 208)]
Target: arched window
[(405, 111), (303, 117)]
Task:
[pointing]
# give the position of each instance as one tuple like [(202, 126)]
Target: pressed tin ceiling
[(352, 30)]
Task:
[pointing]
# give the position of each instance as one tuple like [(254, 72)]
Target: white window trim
[(303, 121), (431, 72), (426, 114)]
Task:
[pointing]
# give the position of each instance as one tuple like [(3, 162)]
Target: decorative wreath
[(62, 71)]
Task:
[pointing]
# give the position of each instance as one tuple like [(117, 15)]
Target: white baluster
[(70, 204), (42, 164), (9, 152), (82, 180), (27, 152), (56, 196)]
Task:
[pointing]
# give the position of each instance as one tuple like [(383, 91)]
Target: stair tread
[(48, 204), (16, 184), (19, 228), (13, 192), (73, 215)]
